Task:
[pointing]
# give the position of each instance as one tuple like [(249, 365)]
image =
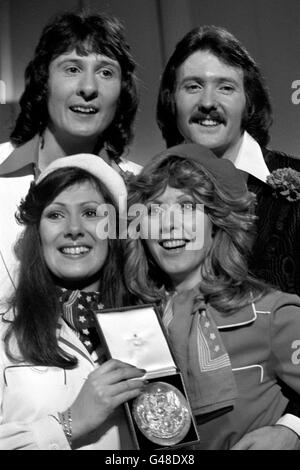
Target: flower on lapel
[(285, 181)]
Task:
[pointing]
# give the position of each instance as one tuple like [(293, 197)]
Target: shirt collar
[(242, 317), (23, 160), (250, 158)]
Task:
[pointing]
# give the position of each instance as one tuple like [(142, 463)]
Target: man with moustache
[(212, 93)]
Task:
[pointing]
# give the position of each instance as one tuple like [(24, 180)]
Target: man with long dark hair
[(80, 96), (213, 93)]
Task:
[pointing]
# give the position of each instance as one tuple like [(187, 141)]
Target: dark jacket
[(276, 251)]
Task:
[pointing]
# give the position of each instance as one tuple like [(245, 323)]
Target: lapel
[(22, 161), (242, 317)]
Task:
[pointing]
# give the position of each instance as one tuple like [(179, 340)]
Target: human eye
[(107, 72), (53, 215), (72, 69), (154, 210), (227, 89), (90, 212), (191, 87), (188, 206)]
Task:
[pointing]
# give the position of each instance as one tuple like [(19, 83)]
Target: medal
[(161, 413)]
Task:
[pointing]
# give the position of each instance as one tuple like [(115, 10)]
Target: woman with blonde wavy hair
[(234, 337)]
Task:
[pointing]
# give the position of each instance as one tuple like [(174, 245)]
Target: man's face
[(83, 93), (210, 102)]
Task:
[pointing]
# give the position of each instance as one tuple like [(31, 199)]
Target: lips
[(212, 119), (173, 244), (83, 109), (74, 250)]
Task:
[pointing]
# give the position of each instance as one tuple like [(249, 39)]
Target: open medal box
[(161, 416)]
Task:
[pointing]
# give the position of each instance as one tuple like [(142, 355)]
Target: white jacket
[(12, 190), (29, 394)]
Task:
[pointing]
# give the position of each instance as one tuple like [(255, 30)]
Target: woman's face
[(68, 231), (177, 233)]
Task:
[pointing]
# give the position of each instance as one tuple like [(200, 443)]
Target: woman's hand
[(104, 390)]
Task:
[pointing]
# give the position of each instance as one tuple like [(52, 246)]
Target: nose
[(207, 99), (171, 220), (88, 86), (74, 228)]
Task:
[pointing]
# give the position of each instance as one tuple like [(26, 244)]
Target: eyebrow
[(188, 197), (217, 79), (76, 60), (62, 204)]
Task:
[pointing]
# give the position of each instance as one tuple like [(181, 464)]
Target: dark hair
[(257, 117), (35, 303), (225, 280), (86, 34)]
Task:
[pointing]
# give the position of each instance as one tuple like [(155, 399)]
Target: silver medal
[(161, 413)]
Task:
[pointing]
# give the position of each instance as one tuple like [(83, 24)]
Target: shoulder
[(6, 317), (5, 150), (276, 159), (278, 302), (128, 165)]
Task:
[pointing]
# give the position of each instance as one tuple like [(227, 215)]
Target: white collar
[(250, 158)]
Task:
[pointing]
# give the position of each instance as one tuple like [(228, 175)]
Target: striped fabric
[(77, 311)]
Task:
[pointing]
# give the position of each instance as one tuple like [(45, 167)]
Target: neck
[(87, 285), (186, 282), (231, 152), (55, 146)]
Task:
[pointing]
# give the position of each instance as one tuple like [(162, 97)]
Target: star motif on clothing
[(100, 306), (87, 343), (81, 307), (212, 336), (85, 331), (206, 324), (217, 348), (82, 319), (89, 298)]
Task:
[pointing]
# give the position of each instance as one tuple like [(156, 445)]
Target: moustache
[(213, 115)]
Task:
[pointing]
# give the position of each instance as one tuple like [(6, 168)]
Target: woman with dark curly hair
[(80, 96), (235, 338)]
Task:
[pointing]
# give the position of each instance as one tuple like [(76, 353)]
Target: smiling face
[(83, 94), (177, 233), (71, 248), (210, 102)]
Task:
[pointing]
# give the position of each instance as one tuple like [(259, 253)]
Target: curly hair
[(35, 301), (257, 117), (225, 280), (86, 34)]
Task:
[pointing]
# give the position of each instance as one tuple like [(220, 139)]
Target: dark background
[(270, 30)]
